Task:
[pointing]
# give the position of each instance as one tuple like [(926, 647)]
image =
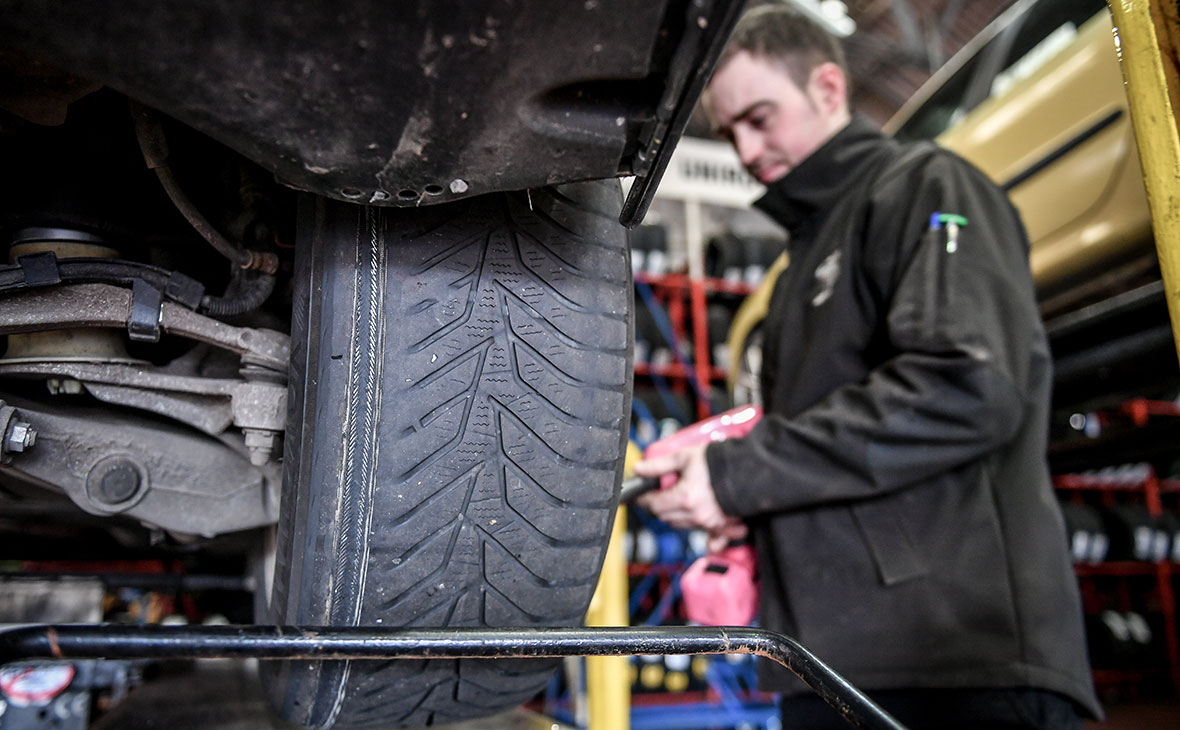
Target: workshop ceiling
[(899, 43)]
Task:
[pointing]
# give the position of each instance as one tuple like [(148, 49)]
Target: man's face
[(772, 123)]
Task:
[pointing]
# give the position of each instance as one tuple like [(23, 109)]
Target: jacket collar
[(813, 188)]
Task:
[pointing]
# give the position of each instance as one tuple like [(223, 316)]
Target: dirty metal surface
[(104, 305)]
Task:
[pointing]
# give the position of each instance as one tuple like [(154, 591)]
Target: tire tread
[(487, 386)]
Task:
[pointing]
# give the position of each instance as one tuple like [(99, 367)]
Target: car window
[(1043, 31), (944, 108), (1048, 28)]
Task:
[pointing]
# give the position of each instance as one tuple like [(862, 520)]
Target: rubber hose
[(154, 146), (238, 256), (252, 296), (175, 286)]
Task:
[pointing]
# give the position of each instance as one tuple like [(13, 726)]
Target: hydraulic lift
[(1148, 38), (290, 642)]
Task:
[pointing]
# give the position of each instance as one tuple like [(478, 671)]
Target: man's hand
[(691, 502)]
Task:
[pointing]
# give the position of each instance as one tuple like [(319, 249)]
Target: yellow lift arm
[(1147, 33)]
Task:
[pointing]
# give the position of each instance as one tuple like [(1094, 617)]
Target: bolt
[(260, 443), (21, 436), (68, 386), (119, 482)]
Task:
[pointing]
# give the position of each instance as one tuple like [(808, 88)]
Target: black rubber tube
[(154, 146), (254, 293), (174, 285)]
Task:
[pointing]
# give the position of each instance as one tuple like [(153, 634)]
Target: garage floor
[(1149, 716), (225, 695)]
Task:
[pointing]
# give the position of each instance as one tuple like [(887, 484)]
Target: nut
[(21, 436)]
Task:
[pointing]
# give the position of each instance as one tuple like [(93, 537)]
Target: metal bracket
[(109, 461), (209, 404), (294, 642), (103, 305)]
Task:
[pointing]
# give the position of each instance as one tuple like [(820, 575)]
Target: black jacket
[(897, 489)]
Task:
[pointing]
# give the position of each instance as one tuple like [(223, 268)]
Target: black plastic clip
[(40, 269), (147, 307), (184, 289)]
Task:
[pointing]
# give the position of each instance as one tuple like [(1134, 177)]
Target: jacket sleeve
[(964, 330)]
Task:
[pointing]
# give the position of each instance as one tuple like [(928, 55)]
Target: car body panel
[(401, 103), (1061, 142), (748, 317)]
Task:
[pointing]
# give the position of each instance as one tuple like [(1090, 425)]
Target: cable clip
[(147, 309), (40, 269)]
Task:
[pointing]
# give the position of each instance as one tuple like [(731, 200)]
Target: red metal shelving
[(687, 301), (1144, 484)]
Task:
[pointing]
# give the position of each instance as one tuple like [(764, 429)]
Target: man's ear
[(706, 106), (829, 88)]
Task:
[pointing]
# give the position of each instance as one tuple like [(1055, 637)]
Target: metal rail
[(294, 642)]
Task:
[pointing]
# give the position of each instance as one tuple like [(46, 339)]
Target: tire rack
[(677, 290), (685, 300), (1151, 489), (333, 643)]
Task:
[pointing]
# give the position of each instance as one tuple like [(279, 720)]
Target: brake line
[(154, 145)]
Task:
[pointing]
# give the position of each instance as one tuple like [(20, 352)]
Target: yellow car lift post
[(608, 684), (608, 681), (1147, 35)]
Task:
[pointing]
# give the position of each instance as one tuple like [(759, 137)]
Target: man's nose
[(748, 146)]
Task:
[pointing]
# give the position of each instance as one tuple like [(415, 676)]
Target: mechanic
[(896, 490)]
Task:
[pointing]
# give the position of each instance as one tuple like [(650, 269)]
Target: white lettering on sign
[(708, 171)]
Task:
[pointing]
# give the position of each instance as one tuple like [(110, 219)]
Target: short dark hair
[(784, 36)]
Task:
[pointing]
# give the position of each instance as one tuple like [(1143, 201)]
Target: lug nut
[(21, 436)]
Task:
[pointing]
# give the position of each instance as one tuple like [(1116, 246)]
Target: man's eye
[(760, 122)]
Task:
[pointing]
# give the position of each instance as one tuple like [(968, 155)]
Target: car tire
[(460, 386)]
